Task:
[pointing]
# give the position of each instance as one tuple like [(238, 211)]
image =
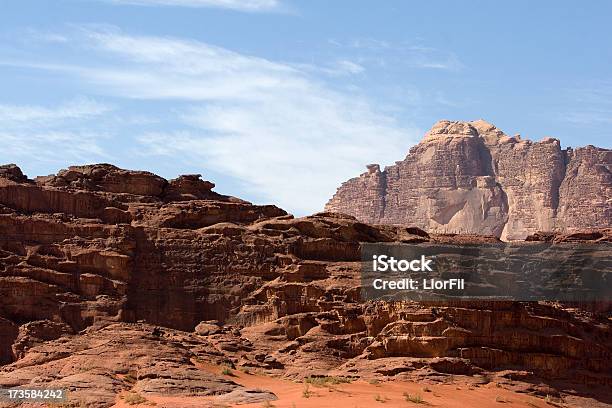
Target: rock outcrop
[(121, 281), (470, 177)]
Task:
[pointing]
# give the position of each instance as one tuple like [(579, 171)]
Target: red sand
[(359, 394)]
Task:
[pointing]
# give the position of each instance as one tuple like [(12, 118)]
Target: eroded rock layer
[(470, 177), (121, 281)]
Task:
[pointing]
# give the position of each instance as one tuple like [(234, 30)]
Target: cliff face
[(469, 177), (120, 281)]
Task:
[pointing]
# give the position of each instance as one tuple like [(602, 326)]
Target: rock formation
[(120, 281), (469, 177)]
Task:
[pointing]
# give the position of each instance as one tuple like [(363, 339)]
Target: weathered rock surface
[(98, 364), (123, 282), (470, 177)]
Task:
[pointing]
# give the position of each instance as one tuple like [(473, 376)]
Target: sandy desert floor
[(359, 394)]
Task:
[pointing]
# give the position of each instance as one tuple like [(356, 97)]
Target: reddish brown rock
[(97, 365), (125, 292), (37, 332), (191, 187), (8, 334), (108, 178), (469, 177), (585, 195), (599, 235), (13, 173)]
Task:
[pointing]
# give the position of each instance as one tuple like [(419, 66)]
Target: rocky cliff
[(470, 177), (123, 282)]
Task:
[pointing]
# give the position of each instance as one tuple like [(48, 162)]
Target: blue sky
[(278, 101)]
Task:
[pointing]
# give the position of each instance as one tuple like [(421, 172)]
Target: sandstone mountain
[(470, 177), (121, 282)]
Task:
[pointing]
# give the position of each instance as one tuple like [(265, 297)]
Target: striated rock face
[(98, 242), (585, 195), (122, 281), (469, 177)]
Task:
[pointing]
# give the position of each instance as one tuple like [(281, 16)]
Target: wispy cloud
[(285, 134), (43, 134), (75, 109), (398, 55), (288, 137), (430, 60), (52, 146), (239, 5), (594, 104), (295, 149), (369, 44), (349, 67), (589, 117), (341, 67)]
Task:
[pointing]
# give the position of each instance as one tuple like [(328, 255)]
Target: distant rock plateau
[(470, 177)]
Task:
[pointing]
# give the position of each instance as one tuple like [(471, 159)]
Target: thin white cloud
[(290, 138), (75, 109), (338, 68), (370, 44), (594, 101), (168, 68), (287, 136), (31, 34), (350, 67), (294, 149), (593, 116), (432, 60), (54, 147), (239, 5), (32, 135), (399, 55)]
